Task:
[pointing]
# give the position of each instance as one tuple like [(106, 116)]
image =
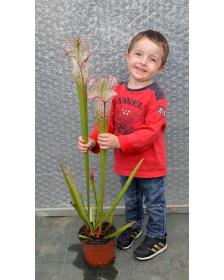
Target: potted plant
[(97, 235)]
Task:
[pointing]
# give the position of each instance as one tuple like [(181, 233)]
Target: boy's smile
[(144, 62), (140, 69)]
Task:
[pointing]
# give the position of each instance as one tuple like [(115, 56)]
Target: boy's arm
[(145, 136)]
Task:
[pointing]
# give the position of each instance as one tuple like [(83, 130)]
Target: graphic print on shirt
[(128, 119), (162, 111)]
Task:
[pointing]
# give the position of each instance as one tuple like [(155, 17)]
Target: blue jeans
[(153, 189)]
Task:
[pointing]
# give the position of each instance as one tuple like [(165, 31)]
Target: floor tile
[(155, 269), (48, 271), (52, 244), (39, 221), (178, 245), (120, 269), (80, 271), (39, 224)]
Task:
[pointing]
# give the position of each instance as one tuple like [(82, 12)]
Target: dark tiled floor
[(59, 254)]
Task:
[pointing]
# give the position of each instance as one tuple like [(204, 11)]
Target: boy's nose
[(143, 60)]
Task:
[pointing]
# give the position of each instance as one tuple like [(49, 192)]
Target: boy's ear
[(127, 56), (161, 69)]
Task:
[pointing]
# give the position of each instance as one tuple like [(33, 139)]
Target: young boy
[(136, 131)]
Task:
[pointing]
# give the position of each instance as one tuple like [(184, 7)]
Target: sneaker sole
[(124, 248), (152, 256)]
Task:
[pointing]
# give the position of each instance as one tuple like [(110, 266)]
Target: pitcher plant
[(102, 95), (77, 49)]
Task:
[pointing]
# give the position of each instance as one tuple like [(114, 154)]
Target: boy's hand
[(85, 147), (108, 141)]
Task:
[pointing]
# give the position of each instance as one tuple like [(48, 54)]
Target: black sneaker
[(149, 248), (127, 237)]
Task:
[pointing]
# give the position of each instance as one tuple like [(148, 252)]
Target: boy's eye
[(138, 54), (153, 59)]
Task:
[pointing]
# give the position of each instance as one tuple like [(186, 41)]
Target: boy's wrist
[(93, 142), (118, 145)]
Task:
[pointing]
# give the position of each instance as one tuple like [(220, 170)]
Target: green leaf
[(66, 181), (110, 224), (78, 211), (74, 194), (94, 190), (124, 189), (93, 216), (103, 154), (85, 237), (77, 201), (83, 205), (111, 218), (119, 231)]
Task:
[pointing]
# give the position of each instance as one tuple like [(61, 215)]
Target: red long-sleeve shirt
[(138, 119)]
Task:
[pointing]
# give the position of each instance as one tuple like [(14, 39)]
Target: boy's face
[(144, 62)]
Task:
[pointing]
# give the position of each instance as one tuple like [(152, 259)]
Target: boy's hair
[(155, 37)]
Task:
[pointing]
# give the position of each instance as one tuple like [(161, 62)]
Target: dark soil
[(96, 241)]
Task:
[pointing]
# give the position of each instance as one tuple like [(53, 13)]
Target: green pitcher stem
[(82, 93), (86, 162), (103, 154)]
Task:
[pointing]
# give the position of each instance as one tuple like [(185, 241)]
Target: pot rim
[(96, 245)]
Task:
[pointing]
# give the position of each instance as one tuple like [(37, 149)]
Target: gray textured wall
[(110, 25)]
